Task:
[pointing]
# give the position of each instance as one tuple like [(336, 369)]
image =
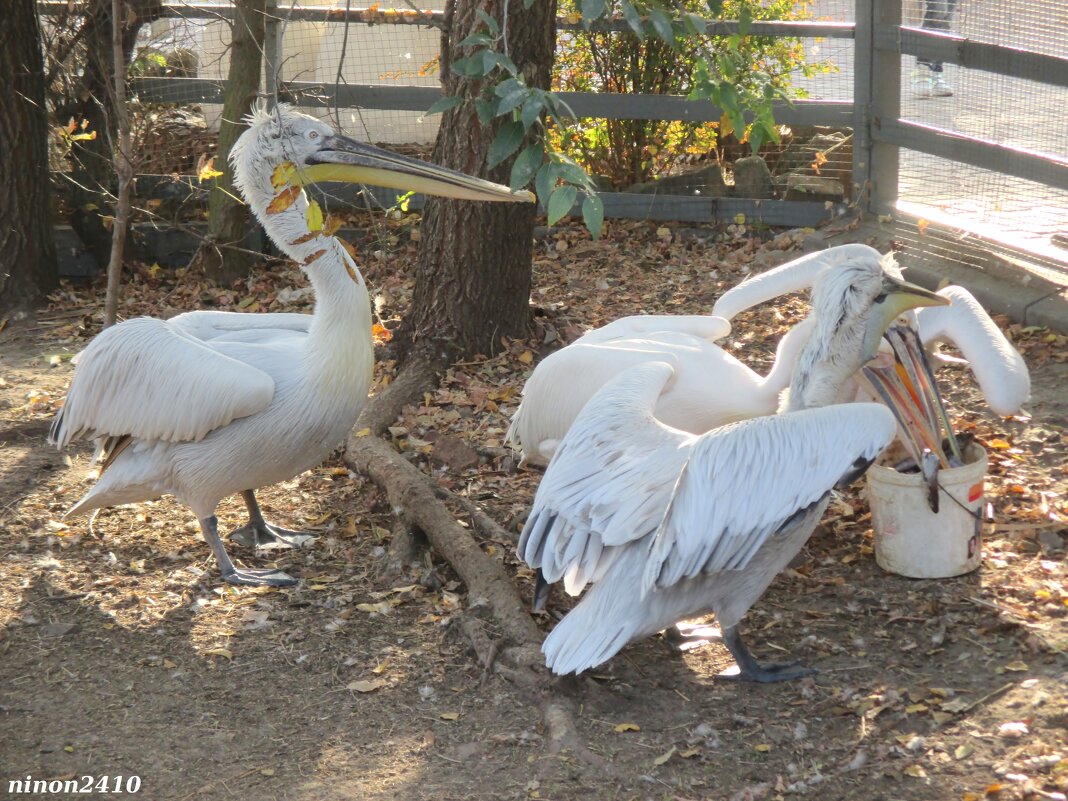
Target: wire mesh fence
[(998, 108)]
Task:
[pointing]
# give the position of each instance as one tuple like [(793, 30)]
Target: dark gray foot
[(262, 535), (259, 578), (748, 669), (542, 591), (682, 638)]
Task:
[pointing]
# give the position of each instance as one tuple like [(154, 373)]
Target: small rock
[(815, 188), (453, 452), (752, 178), (58, 629)]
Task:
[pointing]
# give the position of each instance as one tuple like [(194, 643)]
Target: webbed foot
[(749, 669), (246, 577), (263, 536)]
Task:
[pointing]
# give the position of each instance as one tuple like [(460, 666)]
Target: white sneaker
[(940, 88), (923, 84)]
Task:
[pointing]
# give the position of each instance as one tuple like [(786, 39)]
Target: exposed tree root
[(515, 652)]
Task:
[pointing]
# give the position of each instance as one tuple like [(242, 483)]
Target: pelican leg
[(542, 591), (682, 639), (751, 670), (209, 526), (258, 533)]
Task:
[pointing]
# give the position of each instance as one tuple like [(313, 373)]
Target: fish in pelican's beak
[(906, 384), (340, 158)]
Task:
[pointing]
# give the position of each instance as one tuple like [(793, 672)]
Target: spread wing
[(609, 481), (745, 482), (152, 380)]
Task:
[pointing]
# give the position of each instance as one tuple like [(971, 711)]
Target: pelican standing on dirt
[(711, 386), (668, 525), (210, 404)]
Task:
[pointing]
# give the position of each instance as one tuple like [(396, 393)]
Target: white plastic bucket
[(913, 541)]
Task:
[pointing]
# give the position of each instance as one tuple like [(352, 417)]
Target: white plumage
[(667, 524), (210, 404), (712, 387)]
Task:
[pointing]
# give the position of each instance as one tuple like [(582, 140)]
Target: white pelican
[(668, 525), (209, 404), (712, 387)]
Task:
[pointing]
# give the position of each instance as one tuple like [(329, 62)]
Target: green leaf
[(592, 10), (444, 104), (545, 181), (505, 143), (662, 26), (476, 40), (633, 18), (745, 19), (532, 108), (486, 110), (560, 203), (526, 164), (593, 215), (468, 67), (512, 94), (489, 22)]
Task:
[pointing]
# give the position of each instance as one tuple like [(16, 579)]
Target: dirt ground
[(123, 654)]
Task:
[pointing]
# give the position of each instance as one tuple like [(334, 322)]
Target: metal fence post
[(885, 105)]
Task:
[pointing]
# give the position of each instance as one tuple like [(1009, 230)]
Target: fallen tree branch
[(416, 500)]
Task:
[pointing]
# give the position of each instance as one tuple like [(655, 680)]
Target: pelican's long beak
[(344, 159), (896, 297)]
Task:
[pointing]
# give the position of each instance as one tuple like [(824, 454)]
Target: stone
[(706, 182), (752, 178), (814, 187)]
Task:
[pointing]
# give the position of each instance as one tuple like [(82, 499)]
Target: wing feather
[(608, 482), (745, 482), (151, 380)]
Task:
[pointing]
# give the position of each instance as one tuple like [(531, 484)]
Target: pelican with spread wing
[(667, 525), (711, 386), (211, 404)]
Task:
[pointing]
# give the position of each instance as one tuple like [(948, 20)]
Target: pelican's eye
[(313, 135)]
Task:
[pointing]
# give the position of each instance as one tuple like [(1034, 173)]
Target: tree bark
[(123, 170), (474, 271), (27, 249), (92, 167), (228, 219)]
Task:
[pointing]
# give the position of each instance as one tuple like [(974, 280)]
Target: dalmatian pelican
[(210, 404), (711, 386), (668, 525)]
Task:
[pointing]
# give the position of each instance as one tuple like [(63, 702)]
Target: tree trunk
[(228, 219), (27, 250), (92, 173), (474, 271), (123, 170)]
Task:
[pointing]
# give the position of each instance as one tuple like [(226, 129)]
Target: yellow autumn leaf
[(380, 334), (223, 652), (314, 216), (916, 772), (970, 797), (619, 728), (963, 751), (169, 664), (726, 127), (689, 753), (763, 748), (365, 686), (283, 200), (526, 357), (207, 170), (998, 444), (449, 716), (283, 174), (921, 226), (331, 225), (739, 218), (914, 708), (660, 760), (1018, 666)]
